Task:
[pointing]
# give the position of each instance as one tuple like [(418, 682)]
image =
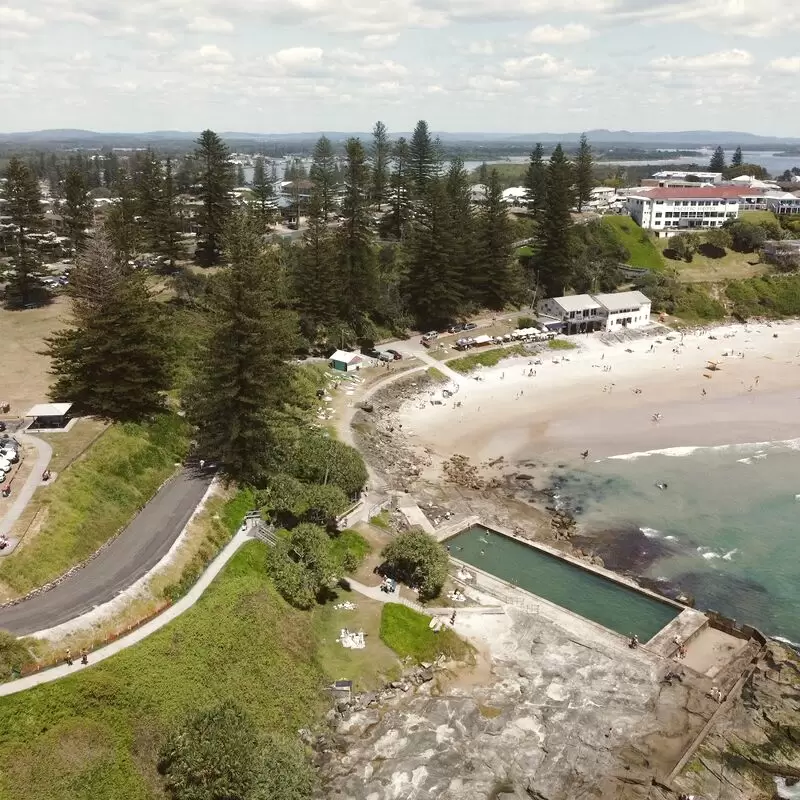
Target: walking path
[(22, 496)]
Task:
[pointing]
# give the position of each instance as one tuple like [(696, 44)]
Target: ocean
[(724, 527)]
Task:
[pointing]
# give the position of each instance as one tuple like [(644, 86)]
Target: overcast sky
[(464, 65)]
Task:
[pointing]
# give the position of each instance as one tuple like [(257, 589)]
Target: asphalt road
[(133, 553)]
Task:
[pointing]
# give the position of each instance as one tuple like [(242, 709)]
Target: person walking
[(453, 618), (84, 656), (68, 657)]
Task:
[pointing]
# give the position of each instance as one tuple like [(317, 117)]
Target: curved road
[(132, 554)]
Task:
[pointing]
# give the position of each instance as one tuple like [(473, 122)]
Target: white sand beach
[(603, 397)]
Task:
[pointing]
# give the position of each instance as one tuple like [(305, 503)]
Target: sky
[(279, 66)]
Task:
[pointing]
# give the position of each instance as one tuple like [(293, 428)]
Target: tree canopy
[(417, 559)]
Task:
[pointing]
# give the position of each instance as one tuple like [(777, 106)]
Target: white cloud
[(551, 34), (722, 60), (484, 48), (377, 41), (542, 65), (490, 84), (210, 25), (297, 60), (788, 66), (18, 20), (208, 54), (161, 38)]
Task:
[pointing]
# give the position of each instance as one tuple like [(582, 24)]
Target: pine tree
[(399, 190), (23, 205), (323, 175), (553, 259), (584, 173), (241, 180), (114, 361), (536, 181), (423, 161), (78, 208), (380, 153), (263, 195), (465, 258), (244, 376), (434, 286), (737, 159), (120, 223), (483, 173), (355, 239), (170, 223), (317, 287), (717, 160), (216, 183), (148, 187), (501, 277)]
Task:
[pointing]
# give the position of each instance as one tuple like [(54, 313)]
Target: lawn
[(485, 358), (754, 217), (705, 268), (437, 375), (94, 498), (370, 668), (639, 243), (25, 370), (408, 633), (97, 734)]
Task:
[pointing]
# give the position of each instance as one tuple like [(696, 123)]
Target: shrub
[(418, 560)]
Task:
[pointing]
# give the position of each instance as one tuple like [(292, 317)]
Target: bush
[(485, 358), (418, 560), (349, 549), (526, 322), (15, 654), (408, 633), (683, 245), (746, 237), (561, 344), (320, 459)]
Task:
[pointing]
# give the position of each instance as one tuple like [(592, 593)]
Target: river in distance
[(722, 522)]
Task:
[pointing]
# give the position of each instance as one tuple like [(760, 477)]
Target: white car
[(5, 466), (9, 454)]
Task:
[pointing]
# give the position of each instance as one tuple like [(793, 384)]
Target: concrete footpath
[(127, 558), (101, 654)]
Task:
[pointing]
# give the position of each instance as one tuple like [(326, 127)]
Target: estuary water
[(723, 523)]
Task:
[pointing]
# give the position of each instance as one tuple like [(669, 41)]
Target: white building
[(583, 313), (579, 313), (782, 202), (477, 192), (603, 193), (667, 211), (515, 196), (680, 175), (624, 310)]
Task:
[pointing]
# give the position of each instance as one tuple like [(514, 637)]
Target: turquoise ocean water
[(727, 524)]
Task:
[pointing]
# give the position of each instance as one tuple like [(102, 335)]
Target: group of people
[(84, 657)]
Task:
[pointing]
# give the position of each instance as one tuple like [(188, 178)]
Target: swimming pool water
[(599, 599)]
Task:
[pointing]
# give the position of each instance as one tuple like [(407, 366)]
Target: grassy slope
[(96, 496), (97, 734), (704, 269), (639, 243), (486, 358), (408, 633)]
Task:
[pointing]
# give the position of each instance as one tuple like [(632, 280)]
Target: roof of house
[(345, 356), (692, 193), (576, 302), (619, 301), (49, 410)]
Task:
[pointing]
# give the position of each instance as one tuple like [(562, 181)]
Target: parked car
[(5, 466), (430, 336), (470, 326), (457, 328), (395, 355), (387, 356), (9, 454), (370, 352), (2, 426)]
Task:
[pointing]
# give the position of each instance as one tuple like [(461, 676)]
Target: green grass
[(771, 296), (408, 633), (695, 305), (485, 358), (437, 375), (561, 344), (639, 243), (755, 217), (526, 251), (96, 496), (97, 734), (350, 541), (382, 520), (707, 269)]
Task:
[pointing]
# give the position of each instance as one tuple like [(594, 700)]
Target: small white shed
[(345, 361)]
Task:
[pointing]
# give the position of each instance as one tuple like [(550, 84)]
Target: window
[(658, 214)]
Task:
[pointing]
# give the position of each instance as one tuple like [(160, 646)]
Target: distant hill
[(68, 138)]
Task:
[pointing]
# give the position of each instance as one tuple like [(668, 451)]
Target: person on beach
[(634, 642)]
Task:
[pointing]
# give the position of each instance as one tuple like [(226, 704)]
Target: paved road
[(132, 554)]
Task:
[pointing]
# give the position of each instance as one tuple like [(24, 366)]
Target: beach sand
[(585, 399)]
